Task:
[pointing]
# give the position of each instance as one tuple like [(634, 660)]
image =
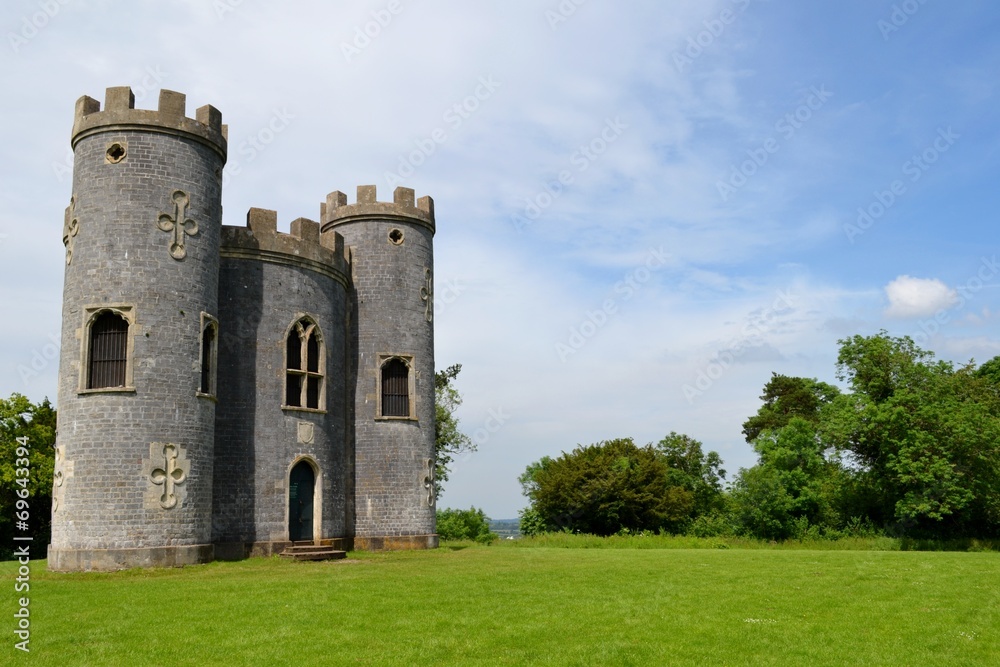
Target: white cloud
[(917, 297)]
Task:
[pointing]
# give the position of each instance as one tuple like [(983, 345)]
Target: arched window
[(304, 386), (209, 354), (107, 356), (395, 390)]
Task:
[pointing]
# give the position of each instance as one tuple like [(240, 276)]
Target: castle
[(227, 391)]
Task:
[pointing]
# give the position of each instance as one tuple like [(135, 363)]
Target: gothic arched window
[(209, 354), (304, 387)]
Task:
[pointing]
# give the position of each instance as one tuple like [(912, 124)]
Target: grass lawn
[(519, 606)]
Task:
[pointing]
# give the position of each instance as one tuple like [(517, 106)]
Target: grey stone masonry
[(393, 262), (201, 364), (147, 204), (268, 282)]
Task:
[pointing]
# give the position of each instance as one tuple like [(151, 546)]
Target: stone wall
[(268, 281)]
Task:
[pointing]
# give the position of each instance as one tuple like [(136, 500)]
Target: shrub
[(532, 522), (714, 524), (470, 524)]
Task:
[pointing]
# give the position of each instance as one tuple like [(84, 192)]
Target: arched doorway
[(301, 487)]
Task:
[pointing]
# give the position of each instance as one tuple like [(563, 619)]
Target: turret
[(137, 377), (391, 246)]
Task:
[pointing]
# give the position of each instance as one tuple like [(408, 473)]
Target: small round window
[(396, 236), (116, 153)]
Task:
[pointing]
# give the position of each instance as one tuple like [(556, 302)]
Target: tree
[(989, 375), (531, 522), (689, 467), (614, 485), (36, 426), (761, 504), (990, 371), (787, 397), (793, 485), (914, 447), (925, 435), (449, 441), (470, 524), (529, 478), (878, 366)]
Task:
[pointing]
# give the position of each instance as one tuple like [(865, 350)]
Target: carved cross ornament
[(63, 471), (71, 227), (427, 295), (429, 481), (179, 224), (170, 469)]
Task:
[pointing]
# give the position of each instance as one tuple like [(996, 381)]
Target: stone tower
[(136, 420), (392, 335)]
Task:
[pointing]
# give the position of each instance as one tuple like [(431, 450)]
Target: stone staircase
[(311, 551)]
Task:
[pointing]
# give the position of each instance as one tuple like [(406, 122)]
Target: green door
[(300, 502)]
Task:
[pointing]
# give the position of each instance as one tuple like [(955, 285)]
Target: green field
[(519, 606)]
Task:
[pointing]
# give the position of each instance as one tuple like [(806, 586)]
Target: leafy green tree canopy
[(470, 524), (926, 434), (20, 418), (689, 467), (787, 397), (614, 485)]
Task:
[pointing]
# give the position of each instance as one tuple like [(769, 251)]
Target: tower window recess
[(395, 388), (108, 353), (304, 387), (115, 153), (209, 355)]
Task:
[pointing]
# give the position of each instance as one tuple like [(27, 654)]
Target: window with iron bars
[(395, 388), (107, 356)]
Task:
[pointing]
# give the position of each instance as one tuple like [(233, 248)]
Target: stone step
[(312, 552)]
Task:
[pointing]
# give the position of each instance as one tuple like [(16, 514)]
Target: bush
[(470, 524), (714, 524), (532, 522)]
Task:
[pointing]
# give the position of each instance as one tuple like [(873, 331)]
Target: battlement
[(305, 246), (336, 211), (169, 118)]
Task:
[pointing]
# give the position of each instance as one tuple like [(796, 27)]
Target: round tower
[(392, 329), (134, 451)]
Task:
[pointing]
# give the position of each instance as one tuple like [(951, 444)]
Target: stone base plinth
[(395, 542), (87, 560)]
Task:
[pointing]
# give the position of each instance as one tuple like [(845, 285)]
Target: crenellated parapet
[(336, 211), (120, 114), (305, 246)]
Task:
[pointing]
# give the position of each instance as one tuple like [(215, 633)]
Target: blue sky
[(643, 209)]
